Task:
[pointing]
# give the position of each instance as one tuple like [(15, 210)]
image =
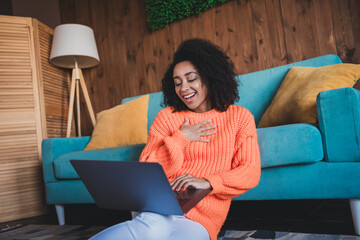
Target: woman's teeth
[(189, 96)]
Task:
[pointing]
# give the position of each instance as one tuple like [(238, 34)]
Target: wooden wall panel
[(245, 38), (355, 19), (343, 30), (276, 33), (300, 29), (256, 34), (324, 27)]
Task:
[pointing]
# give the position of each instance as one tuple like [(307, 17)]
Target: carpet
[(79, 232), (269, 235)]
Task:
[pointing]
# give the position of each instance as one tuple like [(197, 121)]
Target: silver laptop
[(134, 186)]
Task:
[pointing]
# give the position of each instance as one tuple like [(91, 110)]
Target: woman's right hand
[(195, 132)]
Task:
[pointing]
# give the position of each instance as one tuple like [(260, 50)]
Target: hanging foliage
[(163, 12)]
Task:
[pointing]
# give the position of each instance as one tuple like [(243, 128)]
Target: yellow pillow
[(295, 101), (125, 124)]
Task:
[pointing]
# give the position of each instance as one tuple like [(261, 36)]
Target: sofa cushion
[(64, 170), (295, 102), (290, 145), (156, 103), (125, 124)]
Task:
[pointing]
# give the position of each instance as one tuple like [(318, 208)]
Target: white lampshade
[(74, 43)]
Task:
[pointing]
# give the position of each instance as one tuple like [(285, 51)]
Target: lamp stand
[(76, 79)]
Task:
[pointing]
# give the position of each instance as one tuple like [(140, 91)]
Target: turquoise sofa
[(299, 161)]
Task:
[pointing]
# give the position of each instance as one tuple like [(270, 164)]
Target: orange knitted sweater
[(230, 161)]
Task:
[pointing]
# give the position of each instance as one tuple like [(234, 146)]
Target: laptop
[(134, 186)]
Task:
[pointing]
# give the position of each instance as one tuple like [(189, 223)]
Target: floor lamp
[(74, 47)]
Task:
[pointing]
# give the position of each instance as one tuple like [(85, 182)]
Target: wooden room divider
[(33, 106)]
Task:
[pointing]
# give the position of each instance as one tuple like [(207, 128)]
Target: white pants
[(152, 226)]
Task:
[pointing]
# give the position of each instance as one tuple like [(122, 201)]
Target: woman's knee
[(145, 226), (184, 228), (152, 226)]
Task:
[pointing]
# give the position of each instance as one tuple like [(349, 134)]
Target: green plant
[(163, 12)]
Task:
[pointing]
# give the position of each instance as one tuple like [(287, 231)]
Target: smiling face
[(190, 88)]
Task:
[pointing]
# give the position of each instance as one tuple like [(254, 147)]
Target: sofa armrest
[(339, 123), (55, 147)]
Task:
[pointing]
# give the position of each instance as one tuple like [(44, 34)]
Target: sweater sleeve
[(246, 167), (165, 146)]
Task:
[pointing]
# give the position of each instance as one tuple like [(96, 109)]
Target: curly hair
[(215, 69)]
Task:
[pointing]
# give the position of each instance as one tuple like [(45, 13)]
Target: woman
[(202, 141)]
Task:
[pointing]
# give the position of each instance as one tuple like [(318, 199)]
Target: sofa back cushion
[(64, 170), (256, 89)]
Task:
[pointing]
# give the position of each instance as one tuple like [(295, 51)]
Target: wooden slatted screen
[(26, 80), (54, 83), (21, 183)]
